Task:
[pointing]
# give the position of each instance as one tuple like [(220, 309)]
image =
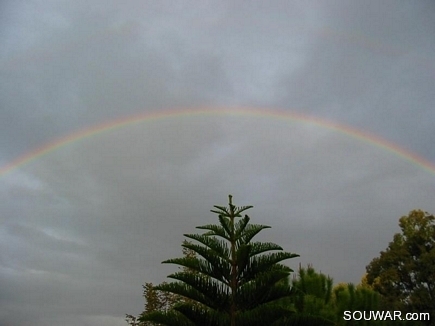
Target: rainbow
[(235, 112)]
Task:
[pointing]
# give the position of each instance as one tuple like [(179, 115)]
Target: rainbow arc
[(218, 112)]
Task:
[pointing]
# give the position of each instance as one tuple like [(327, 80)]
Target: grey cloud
[(84, 226), (371, 71)]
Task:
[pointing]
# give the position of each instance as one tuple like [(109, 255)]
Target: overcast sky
[(84, 226)]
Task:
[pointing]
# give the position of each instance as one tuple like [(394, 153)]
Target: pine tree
[(230, 279), (312, 293)]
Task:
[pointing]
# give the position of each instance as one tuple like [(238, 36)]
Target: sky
[(123, 123)]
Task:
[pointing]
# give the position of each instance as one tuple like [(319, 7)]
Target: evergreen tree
[(230, 280), (313, 293), (348, 297)]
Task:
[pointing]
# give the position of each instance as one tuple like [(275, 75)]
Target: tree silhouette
[(405, 272), (313, 293), (231, 279)]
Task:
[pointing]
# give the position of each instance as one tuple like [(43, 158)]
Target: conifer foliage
[(231, 279)]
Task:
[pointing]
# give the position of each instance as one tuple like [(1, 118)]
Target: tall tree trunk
[(233, 266)]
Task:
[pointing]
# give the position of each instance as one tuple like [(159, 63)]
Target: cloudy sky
[(84, 225)]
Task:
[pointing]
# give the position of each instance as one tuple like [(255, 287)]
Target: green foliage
[(230, 279), (226, 278), (155, 300), (405, 272), (314, 295), (314, 284), (348, 297)]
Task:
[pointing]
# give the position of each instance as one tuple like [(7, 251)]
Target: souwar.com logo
[(384, 315)]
